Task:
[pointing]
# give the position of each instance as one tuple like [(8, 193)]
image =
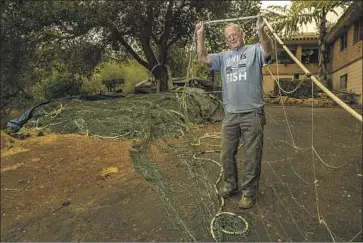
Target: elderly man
[(241, 72)]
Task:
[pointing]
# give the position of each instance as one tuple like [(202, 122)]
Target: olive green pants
[(247, 128)]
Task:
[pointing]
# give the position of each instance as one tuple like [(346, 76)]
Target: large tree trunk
[(323, 52), (156, 66), (160, 70), (161, 74)]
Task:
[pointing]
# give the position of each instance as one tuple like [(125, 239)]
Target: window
[(343, 41), (343, 82), (283, 57), (357, 31), (296, 76), (310, 55)]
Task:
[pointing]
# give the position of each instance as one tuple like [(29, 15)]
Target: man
[(241, 72)]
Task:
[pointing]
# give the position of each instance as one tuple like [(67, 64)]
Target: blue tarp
[(16, 124)]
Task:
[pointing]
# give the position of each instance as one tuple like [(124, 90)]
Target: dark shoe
[(226, 192), (246, 202)]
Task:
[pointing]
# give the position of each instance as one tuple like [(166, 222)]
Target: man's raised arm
[(265, 41), (203, 57)]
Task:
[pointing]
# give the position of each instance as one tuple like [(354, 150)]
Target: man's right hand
[(203, 57), (200, 28)]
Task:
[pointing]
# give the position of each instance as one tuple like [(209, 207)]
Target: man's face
[(234, 37)]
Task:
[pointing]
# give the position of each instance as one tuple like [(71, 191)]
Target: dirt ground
[(78, 188)]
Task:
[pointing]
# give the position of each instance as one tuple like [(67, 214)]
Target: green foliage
[(58, 84), (352, 97), (31, 47), (215, 33), (348, 97), (183, 61), (78, 34), (304, 90), (179, 58), (146, 30), (76, 56), (302, 13), (105, 71), (131, 71), (17, 47), (197, 69)]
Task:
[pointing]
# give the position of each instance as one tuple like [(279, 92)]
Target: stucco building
[(345, 54)]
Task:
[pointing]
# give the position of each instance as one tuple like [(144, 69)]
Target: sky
[(309, 28), (280, 3)]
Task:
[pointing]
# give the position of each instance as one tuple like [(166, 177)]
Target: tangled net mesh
[(149, 116), (281, 214)]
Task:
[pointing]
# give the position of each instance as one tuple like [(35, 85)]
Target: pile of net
[(136, 116)]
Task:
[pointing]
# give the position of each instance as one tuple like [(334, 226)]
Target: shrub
[(304, 90), (57, 85), (348, 97), (352, 97), (132, 72)]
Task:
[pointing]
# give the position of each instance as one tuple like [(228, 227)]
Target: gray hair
[(235, 26)]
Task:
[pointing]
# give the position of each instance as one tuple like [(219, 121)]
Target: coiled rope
[(219, 213), (213, 227)]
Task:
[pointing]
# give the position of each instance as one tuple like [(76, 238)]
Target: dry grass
[(12, 167)]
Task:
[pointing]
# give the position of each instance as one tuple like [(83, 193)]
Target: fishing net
[(141, 117), (310, 187)]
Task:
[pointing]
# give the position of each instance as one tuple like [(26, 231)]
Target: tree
[(304, 12), (31, 53), (40, 36), (144, 30), (17, 47)]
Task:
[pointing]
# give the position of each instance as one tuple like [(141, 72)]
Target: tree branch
[(154, 38), (182, 5), (169, 19), (167, 26), (131, 50), (9, 95), (171, 42), (52, 36)]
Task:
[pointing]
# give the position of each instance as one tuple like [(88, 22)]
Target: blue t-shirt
[(241, 72)]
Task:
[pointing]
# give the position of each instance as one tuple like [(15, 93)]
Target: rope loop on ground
[(213, 228)]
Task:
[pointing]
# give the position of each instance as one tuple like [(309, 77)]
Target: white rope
[(313, 78), (190, 62), (278, 82), (327, 165), (283, 107), (290, 133), (230, 20), (313, 151), (219, 213), (320, 216), (210, 22), (282, 101), (360, 232)]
